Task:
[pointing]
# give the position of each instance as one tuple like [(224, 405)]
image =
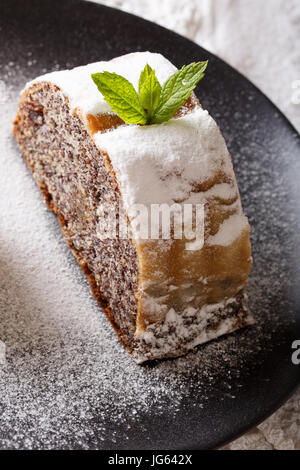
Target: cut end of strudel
[(163, 296)]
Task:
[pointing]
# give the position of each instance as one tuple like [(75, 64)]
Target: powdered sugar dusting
[(161, 163), (67, 382), (81, 90), (229, 230), (3, 92)]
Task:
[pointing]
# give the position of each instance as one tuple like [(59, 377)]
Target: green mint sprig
[(153, 104)]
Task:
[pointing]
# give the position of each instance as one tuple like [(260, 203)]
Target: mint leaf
[(120, 94), (177, 89), (149, 90), (154, 104), (144, 75)]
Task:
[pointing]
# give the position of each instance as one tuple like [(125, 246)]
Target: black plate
[(266, 154)]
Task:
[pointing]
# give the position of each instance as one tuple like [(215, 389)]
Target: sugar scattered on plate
[(68, 383)]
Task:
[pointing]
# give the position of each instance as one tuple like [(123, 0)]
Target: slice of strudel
[(152, 212)]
